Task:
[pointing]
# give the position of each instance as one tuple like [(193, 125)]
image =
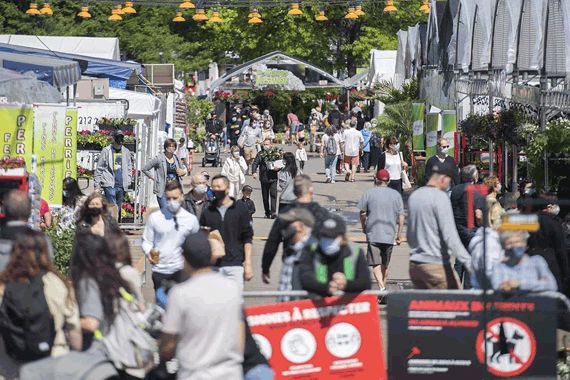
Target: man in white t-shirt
[(182, 151), (352, 141), (203, 325)]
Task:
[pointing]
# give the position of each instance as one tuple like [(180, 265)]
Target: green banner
[(70, 144), (449, 128), (432, 121), (49, 140), (418, 113), (271, 77), (17, 131)]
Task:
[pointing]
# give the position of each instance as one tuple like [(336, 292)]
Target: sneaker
[(333, 181), (328, 180)]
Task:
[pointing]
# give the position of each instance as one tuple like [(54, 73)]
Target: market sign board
[(70, 144), (89, 113), (17, 132), (418, 140), (432, 123), (272, 77), (441, 336), (330, 338), (449, 121)]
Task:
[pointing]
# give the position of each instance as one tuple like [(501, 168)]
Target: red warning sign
[(510, 347)]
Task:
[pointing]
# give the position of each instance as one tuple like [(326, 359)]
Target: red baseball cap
[(383, 175)]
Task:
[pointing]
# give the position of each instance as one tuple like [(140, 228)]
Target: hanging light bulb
[(321, 16), (178, 17), (200, 15), (351, 15), (128, 9), (84, 12), (186, 4), (33, 10), (254, 13), (295, 10), (216, 19), (358, 11), (390, 6), (425, 6), (46, 10), (255, 20), (115, 16)]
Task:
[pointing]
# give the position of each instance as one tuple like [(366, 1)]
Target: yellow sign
[(16, 126)]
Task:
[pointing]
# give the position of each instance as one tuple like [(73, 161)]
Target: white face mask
[(174, 206), (201, 188), (444, 151), (396, 147)]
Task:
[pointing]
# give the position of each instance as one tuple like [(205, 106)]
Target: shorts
[(294, 127), (379, 254), (352, 160), (433, 276), (249, 153)]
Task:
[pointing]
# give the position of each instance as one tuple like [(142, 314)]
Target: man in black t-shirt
[(442, 159)]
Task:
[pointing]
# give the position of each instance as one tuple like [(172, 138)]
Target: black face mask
[(220, 195), (119, 139), (94, 211)]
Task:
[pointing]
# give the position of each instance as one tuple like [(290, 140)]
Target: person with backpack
[(330, 151), (331, 264), (39, 316)]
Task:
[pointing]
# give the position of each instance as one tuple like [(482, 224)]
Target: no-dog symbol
[(510, 347)]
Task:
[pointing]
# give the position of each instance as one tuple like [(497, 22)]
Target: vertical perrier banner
[(70, 144), (17, 130), (449, 121), (432, 123), (418, 114)]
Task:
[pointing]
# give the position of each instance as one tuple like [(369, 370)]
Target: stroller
[(211, 151)]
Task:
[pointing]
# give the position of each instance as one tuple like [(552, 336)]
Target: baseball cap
[(331, 227), (298, 214), (383, 175), (442, 169), (197, 251)]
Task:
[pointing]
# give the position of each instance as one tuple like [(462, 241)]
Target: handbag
[(241, 140), (406, 185)]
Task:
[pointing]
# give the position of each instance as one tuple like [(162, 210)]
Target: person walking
[(301, 155), (442, 159), (286, 177), (330, 152), (494, 208), (304, 191), (231, 219), (235, 168), (94, 216), (432, 236), (167, 167), (233, 130), (203, 326), (114, 172), (197, 197), (330, 263), (268, 180), (335, 117), (164, 232), (247, 202), (293, 124), (366, 136), (73, 199), (382, 220), (249, 138), (392, 161), (182, 153), (352, 143)]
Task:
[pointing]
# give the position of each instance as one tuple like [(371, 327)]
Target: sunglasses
[(445, 146)]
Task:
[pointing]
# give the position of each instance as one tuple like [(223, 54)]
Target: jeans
[(330, 167), (115, 196), (161, 202), (234, 273), (269, 189), (365, 162), (260, 372)]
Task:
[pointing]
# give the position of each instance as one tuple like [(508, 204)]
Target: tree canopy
[(337, 45)]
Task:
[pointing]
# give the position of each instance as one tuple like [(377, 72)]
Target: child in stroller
[(211, 150)]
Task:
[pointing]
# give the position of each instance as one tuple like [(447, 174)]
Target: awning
[(55, 71), (98, 67), (140, 103)]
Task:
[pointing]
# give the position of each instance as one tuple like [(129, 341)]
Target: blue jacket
[(366, 134)]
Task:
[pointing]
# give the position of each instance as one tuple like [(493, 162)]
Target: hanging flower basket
[(112, 124)]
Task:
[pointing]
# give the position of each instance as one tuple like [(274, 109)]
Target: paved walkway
[(340, 197)]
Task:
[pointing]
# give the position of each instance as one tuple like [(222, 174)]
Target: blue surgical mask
[(201, 188), (329, 247), (445, 150), (515, 253), (65, 193), (397, 147), (173, 206)]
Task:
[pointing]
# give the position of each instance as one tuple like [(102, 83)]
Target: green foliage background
[(337, 44)]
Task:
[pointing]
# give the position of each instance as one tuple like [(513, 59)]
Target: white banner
[(89, 113)]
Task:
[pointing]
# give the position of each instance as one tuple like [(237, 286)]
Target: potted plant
[(96, 140), (112, 124), (273, 158)]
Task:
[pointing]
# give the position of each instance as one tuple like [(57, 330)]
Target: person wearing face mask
[(233, 130), (94, 216), (114, 172), (197, 197), (442, 159), (432, 236), (164, 233), (250, 136), (494, 210), (393, 161), (268, 180), (167, 167), (528, 194), (550, 241), (330, 264), (231, 219), (518, 271), (297, 226), (235, 168)]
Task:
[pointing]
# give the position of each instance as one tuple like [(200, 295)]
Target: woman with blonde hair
[(235, 168), (94, 216), (494, 209)]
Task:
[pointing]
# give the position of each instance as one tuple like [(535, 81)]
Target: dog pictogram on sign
[(510, 344)]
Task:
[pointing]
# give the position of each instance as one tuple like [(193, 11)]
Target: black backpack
[(26, 323)]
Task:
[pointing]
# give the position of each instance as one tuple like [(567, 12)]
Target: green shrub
[(62, 241)]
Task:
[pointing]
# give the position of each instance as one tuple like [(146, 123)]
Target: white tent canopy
[(140, 103), (99, 47), (382, 65)]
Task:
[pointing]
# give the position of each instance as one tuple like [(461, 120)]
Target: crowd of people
[(199, 243)]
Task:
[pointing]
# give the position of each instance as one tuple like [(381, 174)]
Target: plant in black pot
[(111, 124)]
